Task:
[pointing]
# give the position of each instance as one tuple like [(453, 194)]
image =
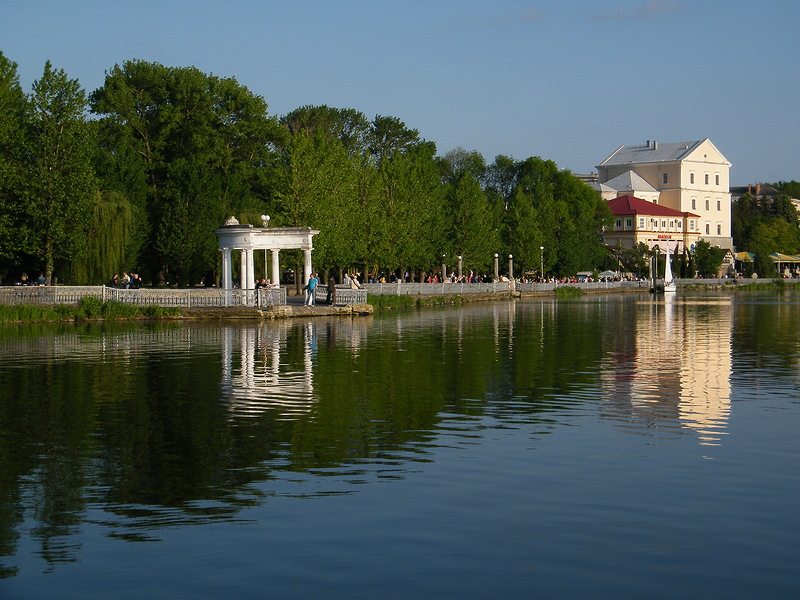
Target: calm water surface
[(615, 446)]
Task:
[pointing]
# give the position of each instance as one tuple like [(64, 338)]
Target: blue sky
[(566, 80)]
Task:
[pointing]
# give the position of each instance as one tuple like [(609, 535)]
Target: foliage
[(763, 226), (12, 152), (194, 149), (382, 301), (568, 291), (89, 307), (550, 208), (708, 258)]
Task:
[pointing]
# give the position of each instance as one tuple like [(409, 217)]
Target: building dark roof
[(631, 205), (652, 152)]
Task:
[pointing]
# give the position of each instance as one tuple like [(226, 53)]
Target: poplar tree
[(61, 180), (12, 154)]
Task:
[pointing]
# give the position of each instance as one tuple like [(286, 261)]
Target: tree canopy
[(137, 176)]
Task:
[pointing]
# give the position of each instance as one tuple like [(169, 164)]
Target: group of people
[(128, 281), (349, 280), (25, 280), (266, 284)]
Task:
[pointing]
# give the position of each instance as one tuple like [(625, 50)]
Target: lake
[(617, 446)]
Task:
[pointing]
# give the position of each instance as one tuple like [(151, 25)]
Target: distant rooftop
[(631, 205), (650, 152), (630, 181)]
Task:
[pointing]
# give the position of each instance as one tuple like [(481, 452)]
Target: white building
[(689, 177)]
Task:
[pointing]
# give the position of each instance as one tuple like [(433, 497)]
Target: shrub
[(568, 291), (120, 310), (91, 307), (390, 301)]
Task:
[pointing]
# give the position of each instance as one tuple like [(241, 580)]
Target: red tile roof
[(631, 205)]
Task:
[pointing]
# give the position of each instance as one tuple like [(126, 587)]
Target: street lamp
[(444, 267), (460, 265), (265, 220), (541, 254), (511, 267), (496, 266)]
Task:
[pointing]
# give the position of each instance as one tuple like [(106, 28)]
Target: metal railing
[(48, 294), (430, 289), (345, 296), (183, 298)]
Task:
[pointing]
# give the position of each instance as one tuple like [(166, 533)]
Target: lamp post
[(265, 223), (541, 255), (511, 267), (444, 267), (496, 266), (460, 265)]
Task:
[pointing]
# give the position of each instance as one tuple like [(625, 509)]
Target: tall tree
[(195, 148), (62, 181), (12, 156)]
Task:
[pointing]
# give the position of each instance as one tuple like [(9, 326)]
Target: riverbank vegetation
[(89, 308), (568, 291), (137, 174), (390, 301)]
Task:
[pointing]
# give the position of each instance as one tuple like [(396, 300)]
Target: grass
[(568, 291), (389, 301), (89, 308), (738, 285)]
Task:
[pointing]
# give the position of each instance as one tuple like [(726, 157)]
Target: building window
[(628, 223), (708, 229), (694, 203), (706, 203), (663, 224), (716, 178), (691, 177), (679, 225), (664, 178), (691, 224), (706, 178), (719, 229), (641, 222), (619, 223), (719, 205)]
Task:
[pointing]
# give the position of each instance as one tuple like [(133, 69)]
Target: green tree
[(546, 207), (191, 149), (12, 161), (708, 258), (61, 181), (472, 222), (790, 188), (109, 230), (320, 189)]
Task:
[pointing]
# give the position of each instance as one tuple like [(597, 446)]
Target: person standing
[(311, 286), (331, 299)]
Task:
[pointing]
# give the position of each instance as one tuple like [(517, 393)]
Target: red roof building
[(637, 220)]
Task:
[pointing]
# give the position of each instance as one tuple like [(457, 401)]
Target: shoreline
[(294, 310)]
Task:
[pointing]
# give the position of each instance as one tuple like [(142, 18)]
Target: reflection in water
[(255, 378), (676, 368), (140, 428)]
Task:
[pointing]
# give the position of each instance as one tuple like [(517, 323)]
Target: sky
[(565, 80)]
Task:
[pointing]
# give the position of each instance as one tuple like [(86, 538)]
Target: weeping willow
[(108, 240)]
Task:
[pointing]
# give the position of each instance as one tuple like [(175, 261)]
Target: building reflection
[(674, 369)]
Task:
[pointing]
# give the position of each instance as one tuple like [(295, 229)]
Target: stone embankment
[(286, 311)]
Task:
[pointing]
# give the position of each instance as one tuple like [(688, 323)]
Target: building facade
[(688, 177), (641, 221)]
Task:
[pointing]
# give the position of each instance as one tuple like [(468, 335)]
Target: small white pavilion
[(247, 239)]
